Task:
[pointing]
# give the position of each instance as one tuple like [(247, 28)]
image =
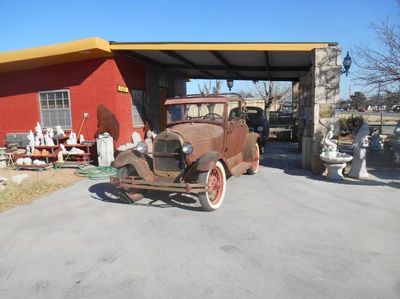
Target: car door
[(236, 132)]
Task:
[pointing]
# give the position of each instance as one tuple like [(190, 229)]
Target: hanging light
[(229, 83), (346, 64)]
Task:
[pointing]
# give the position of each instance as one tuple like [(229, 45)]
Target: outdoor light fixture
[(229, 83), (346, 64)]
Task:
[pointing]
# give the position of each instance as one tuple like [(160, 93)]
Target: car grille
[(168, 163)]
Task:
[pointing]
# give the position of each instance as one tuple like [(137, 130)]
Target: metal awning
[(193, 60), (241, 61)]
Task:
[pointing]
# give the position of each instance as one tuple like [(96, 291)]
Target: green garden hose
[(96, 173)]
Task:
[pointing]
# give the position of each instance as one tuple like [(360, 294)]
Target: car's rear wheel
[(216, 184), (256, 160), (130, 195)]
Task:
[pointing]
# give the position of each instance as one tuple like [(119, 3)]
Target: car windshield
[(189, 112)]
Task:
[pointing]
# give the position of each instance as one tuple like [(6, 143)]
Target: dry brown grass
[(36, 185), (374, 118)]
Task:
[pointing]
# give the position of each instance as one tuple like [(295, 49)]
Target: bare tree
[(380, 69), (274, 93), (208, 89)]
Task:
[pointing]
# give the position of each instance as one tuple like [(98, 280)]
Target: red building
[(55, 85)]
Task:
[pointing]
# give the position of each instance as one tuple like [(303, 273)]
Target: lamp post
[(229, 83), (346, 64)]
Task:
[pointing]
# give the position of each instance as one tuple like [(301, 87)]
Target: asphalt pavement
[(282, 233)]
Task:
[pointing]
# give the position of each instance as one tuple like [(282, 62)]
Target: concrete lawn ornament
[(396, 144), (72, 138), (38, 130), (360, 145), (375, 143), (59, 131), (31, 138), (335, 161), (50, 132), (48, 140), (31, 146), (61, 153)]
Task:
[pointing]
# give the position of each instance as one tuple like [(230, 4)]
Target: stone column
[(326, 65), (305, 118), (295, 112)]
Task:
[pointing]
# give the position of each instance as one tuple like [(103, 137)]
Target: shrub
[(350, 124)]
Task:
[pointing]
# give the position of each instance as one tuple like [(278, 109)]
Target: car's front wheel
[(256, 160), (216, 184), (131, 195)]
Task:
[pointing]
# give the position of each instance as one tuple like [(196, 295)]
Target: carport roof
[(196, 60)]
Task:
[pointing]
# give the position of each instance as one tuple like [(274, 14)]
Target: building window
[(138, 107), (55, 108)]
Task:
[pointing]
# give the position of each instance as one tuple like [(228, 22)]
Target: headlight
[(187, 148), (260, 129), (141, 147)]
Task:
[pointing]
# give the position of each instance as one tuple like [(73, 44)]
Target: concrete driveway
[(280, 234)]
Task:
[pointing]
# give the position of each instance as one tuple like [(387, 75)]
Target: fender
[(207, 161), (139, 163), (251, 139)]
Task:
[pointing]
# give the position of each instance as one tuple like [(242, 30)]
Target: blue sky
[(28, 23)]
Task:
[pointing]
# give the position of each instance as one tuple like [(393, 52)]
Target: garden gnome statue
[(360, 145)]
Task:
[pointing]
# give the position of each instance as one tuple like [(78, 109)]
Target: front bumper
[(131, 182)]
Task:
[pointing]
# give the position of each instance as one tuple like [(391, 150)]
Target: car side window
[(234, 111)]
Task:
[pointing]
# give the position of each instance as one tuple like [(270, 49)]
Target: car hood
[(203, 136)]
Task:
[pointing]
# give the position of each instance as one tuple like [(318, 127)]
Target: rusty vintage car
[(206, 141)]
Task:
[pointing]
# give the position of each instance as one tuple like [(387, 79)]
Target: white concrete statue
[(59, 131), (48, 140), (396, 144), (60, 155), (38, 130), (50, 132), (37, 141), (30, 149), (335, 162), (105, 149), (72, 138), (136, 138), (329, 144), (360, 145), (149, 141), (31, 138)]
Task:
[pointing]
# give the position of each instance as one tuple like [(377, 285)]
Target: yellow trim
[(218, 46), (83, 49)]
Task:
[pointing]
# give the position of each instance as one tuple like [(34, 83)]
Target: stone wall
[(318, 95)]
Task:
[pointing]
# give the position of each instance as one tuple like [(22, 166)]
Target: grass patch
[(15, 195)]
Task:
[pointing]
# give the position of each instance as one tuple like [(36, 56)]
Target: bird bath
[(335, 162)]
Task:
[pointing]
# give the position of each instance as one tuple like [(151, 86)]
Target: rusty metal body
[(213, 136)]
